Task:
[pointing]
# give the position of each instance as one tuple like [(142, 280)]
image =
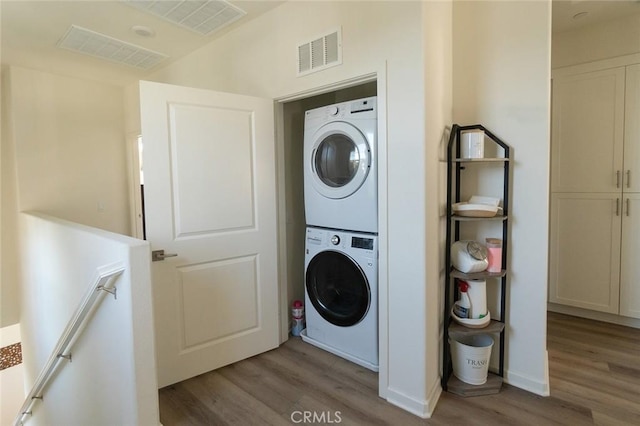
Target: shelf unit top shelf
[(481, 160)]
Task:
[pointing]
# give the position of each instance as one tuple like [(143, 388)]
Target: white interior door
[(210, 198)]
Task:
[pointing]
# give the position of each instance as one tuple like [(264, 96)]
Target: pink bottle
[(494, 256)]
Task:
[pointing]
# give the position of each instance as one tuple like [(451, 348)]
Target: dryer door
[(338, 288), (340, 160)]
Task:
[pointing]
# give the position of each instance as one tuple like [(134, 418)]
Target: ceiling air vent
[(87, 42), (201, 16), (320, 53)]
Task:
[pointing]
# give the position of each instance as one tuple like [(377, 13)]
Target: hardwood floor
[(594, 372)]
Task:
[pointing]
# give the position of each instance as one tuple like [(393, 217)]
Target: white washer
[(341, 294), (340, 170)]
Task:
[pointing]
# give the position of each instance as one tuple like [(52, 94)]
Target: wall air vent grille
[(320, 53), (201, 16), (87, 42)]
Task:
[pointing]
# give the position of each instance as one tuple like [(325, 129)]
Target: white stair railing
[(105, 282)]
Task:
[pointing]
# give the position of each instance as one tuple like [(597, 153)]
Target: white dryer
[(340, 170), (341, 294)]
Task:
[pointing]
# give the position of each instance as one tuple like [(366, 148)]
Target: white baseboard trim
[(529, 384), (594, 315), (423, 409)]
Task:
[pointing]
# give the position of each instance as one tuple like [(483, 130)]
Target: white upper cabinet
[(588, 123)]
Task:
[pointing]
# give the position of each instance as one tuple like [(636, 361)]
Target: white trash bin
[(470, 357)]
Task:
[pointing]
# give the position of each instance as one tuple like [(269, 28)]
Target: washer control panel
[(337, 239), (362, 243)]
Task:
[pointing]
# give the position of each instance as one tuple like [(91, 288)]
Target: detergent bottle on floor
[(297, 314)]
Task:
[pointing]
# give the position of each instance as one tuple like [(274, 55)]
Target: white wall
[(112, 378), (605, 40), (438, 76), (259, 59), (9, 288), (63, 153), (70, 152), (502, 80)]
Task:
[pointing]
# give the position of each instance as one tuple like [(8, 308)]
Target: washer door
[(338, 288), (340, 160)]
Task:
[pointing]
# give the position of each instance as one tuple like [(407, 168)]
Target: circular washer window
[(341, 159), (338, 288)]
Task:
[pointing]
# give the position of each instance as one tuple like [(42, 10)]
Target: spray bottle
[(462, 308)]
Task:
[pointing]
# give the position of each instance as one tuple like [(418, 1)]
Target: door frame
[(379, 75), (135, 197)]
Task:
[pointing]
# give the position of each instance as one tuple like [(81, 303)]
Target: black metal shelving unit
[(455, 169)]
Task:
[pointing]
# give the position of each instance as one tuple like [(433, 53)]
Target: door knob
[(158, 255)]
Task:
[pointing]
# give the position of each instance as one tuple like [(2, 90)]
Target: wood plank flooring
[(594, 372)]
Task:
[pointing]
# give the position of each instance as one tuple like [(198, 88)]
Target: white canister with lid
[(469, 256), (472, 144)]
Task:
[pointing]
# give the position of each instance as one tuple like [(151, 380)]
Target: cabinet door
[(630, 268), (632, 130), (584, 264), (587, 131)]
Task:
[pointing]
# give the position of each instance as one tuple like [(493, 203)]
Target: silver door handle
[(158, 255), (617, 206), (627, 207), (629, 178), (617, 178)]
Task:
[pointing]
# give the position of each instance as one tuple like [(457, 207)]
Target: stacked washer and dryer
[(341, 250)]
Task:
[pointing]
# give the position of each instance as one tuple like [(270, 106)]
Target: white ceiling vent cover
[(320, 53), (201, 16), (87, 42)]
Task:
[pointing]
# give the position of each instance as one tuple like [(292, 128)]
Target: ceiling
[(31, 30), (569, 14)]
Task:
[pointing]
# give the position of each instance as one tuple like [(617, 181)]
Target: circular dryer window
[(340, 161), (338, 288), (337, 160)]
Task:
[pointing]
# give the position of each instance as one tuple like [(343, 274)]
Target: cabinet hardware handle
[(617, 206), (617, 178), (627, 207), (629, 178)]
